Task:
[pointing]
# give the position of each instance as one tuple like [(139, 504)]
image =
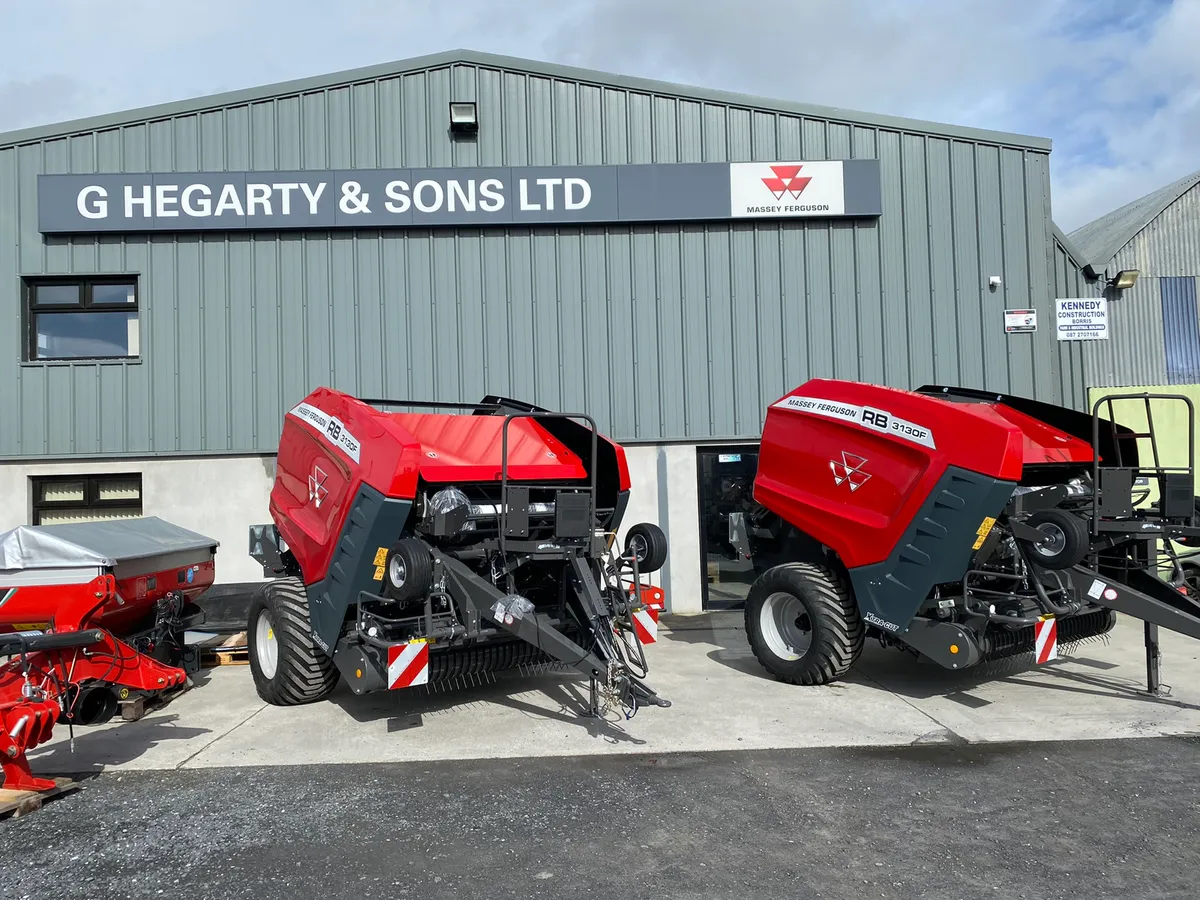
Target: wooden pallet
[(233, 651), (14, 804)]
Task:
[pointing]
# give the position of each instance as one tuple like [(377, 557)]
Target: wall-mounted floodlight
[(463, 119), (1125, 279)]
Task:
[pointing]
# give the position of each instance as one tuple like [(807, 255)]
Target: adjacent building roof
[(1072, 250), (1101, 240), (507, 63)]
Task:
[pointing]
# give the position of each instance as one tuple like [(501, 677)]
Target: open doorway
[(726, 486)]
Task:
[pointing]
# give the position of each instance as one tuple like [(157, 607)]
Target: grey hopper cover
[(95, 543)]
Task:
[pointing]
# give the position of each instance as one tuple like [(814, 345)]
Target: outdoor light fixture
[(463, 119), (1125, 279)]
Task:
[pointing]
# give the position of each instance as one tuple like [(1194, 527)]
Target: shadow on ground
[(98, 748), (411, 708), (903, 673)]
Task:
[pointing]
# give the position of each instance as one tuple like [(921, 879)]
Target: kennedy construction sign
[(1081, 319), (464, 196)]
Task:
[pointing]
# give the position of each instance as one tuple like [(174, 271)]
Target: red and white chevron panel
[(408, 664), (650, 596), (1045, 638), (645, 625)]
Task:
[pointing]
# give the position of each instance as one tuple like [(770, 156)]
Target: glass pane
[(113, 293), (62, 492), (85, 335), (119, 489), (56, 293)]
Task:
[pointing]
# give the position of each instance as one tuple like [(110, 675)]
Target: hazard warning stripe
[(645, 625), (408, 664), (1046, 639)]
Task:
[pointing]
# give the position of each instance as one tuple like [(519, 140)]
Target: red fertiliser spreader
[(88, 610)]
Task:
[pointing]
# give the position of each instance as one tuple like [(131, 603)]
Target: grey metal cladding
[(863, 194), (680, 330)]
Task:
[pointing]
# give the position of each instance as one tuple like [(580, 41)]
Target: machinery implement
[(86, 611), (412, 548), (960, 525)]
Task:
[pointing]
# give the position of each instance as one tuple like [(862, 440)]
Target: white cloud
[(1115, 83)]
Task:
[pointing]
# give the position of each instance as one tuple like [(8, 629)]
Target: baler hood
[(469, 448)]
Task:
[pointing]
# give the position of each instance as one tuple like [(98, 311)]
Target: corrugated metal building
[(152, 349), (1155, 335)]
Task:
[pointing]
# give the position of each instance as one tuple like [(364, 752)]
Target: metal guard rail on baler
[(607, 661), (1140, 592)]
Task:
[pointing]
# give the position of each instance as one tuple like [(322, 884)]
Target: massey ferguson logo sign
[(786, 180), (467, 196), (786, 190)]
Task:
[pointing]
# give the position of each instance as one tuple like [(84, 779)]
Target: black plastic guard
[(373, 525), (936, 548)]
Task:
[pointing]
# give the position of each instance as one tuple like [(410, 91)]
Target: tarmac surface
[(1093, 819), (902, 780)]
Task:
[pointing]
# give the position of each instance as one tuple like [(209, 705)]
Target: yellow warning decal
[(380, 558), (984, 530), (379, 573), (31, 626)]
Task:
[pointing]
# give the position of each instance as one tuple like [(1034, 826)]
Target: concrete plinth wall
[(221, 496)]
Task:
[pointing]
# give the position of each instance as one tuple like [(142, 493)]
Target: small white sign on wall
[(1018, 320)]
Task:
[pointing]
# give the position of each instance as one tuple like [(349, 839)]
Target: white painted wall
[(664, 490), (218, 497), (221, 496)]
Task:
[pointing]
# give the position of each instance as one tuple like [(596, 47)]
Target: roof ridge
[(534, 67), (1103, 238)]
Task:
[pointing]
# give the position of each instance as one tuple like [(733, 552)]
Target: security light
[(463, 119), (1125, 279)]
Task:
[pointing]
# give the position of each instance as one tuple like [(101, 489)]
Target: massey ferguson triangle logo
[(850, 470), (316, 486), (787, 180)]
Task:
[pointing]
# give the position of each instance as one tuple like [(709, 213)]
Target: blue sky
[(1114, 83)]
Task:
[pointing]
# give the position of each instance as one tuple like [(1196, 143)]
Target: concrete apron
[(722, 700)]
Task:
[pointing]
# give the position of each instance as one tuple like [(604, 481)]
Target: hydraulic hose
[(1048, 605)]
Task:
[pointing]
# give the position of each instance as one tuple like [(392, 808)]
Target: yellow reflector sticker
[(954, 648), (270, 634), (380, 558), (984, 530), (379, 573)]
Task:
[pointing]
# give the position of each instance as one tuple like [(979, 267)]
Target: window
[(78, 498), (93, 318)]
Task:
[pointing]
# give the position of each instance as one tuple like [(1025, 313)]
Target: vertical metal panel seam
[(955, 276), (1008, 378), (904, 239), (978, 293), (933, 333)]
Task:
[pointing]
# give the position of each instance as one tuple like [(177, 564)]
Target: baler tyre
[(649, 544), (409, 570), (288, 668), (1070, 539), (788, 600)]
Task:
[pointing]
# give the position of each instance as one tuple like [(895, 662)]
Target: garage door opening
[(726, 486)]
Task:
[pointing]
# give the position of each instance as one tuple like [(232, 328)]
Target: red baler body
[(332, 444), (825, 439)]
